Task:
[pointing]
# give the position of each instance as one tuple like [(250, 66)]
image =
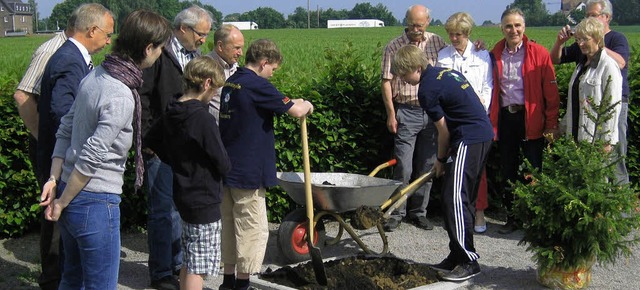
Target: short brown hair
[(198, 70), (139, 29), (263, 49)]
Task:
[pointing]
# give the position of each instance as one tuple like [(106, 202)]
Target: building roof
[(17, 7)]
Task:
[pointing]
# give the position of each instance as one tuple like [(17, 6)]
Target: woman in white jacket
[(596, 76), (475, 65)]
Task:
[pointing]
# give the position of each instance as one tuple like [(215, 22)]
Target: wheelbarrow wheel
[(292, 236)]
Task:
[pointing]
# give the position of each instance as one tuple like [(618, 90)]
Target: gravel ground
[(504, 264)]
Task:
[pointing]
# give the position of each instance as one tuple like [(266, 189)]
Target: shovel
[(314, 252)]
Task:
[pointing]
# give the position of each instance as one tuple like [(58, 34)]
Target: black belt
[(514, 108)]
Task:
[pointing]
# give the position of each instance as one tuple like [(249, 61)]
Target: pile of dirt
[(359, 272)]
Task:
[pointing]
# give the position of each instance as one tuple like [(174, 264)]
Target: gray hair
[(222, 33), (192, 16), (604, 4), (89, 15), (512, 11)]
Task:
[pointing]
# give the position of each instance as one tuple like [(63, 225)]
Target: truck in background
[(243, 25), (354, 23)]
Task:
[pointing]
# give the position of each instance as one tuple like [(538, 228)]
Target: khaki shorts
[(245, 230)]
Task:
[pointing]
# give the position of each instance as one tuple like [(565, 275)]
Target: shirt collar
[(178, 48), (83, 50), (467, 51), (518, 47)]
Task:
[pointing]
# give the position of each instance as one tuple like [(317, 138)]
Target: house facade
[(16, 18)]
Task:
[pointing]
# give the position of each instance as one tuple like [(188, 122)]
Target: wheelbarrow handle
[(391, 162), (397, 199)]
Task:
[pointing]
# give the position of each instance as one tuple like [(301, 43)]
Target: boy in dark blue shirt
[(247, 107), (464, 139)]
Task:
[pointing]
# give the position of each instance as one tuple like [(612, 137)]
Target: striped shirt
[(512, 80), (182, 55), (402, 92), (30, 83)]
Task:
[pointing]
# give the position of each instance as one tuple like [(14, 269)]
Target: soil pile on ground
[(359, 272)]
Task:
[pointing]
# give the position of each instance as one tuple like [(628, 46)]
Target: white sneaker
[(480, 229)]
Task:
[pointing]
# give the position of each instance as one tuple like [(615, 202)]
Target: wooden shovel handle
[(307, 176)]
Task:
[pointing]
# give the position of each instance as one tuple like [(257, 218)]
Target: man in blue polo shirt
[(464, 139)]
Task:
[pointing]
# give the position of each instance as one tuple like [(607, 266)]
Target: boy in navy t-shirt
[(464, 139), (247, 107)]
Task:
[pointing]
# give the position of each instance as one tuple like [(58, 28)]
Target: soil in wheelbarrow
[(357, 272)]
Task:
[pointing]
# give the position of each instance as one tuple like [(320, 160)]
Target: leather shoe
[(422, 222), (391, 225), (166, 283), (508, 228)]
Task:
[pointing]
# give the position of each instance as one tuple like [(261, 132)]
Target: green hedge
[(347, 133)]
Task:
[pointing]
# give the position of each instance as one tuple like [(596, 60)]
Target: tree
[(299, 19), (232, 17), (487, 23), (265, 17), (61, 12), (331, 14), (535, 12), (367, 11), (626, 12), (34, 20)]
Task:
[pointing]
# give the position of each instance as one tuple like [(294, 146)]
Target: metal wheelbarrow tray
[(339, 192)]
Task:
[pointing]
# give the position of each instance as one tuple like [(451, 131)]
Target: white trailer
[(354, 23), (243, 25)]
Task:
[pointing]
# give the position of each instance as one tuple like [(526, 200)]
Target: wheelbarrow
[(364, 201)]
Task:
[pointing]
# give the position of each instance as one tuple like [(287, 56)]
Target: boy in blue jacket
[(464, 139)]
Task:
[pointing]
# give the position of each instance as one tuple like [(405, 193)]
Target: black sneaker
[(391, 225), (508, 228), (166, 283), (422, 222), (445, 266), (461, 272)]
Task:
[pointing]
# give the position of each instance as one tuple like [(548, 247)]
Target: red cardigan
[(540, 89)]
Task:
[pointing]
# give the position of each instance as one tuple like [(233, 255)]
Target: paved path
[(505, 265)]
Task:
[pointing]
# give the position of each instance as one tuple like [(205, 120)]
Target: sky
[(440, 9)]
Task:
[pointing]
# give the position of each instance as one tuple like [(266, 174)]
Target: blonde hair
[(593, 28), (200, 69), (460, 21), (408, 59)]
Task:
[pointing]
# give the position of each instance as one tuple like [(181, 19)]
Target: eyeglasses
[(200, 34), (416, 25), (105, 33), (582, 40), (594, 15)]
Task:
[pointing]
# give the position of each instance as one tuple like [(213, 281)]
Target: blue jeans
[(90, 233), (415, 150), (164, 227)]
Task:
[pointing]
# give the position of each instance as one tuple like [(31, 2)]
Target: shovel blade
[(316, 261)]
